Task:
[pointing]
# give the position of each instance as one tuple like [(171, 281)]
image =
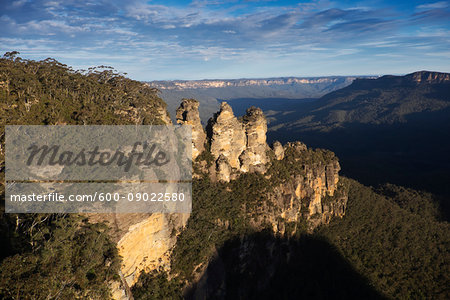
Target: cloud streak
[(155, 40)]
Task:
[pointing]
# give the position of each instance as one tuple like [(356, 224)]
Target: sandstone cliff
[(241, 141), (299, 191), (206, 84), (310, 194), (144, 242), (303, 179), (227, 136), (187, 114), (254, 156), (428, 77)]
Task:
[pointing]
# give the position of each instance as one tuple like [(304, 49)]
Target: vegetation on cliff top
[(391, 236), (395, 239), (56, 256), (47, 256), (225, 211), (48, 92)]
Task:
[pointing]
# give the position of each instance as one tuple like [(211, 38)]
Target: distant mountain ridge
[(384, 100), (211, 92), (419, 77), (221, 83), (396, 126), (429, 77)]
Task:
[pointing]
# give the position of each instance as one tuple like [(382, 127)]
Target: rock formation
[(308, 193), (239, 146), (242, 143), (227, 136), (303, 192), (144, 242), (428, 77), (254, 156), (278, 150), (223, 169), (187, 114)]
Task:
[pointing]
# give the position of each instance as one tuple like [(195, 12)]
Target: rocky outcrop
[(187, 114), (429, 77), (303, 190), (278, 150), (311, 194), (297, 146), (223, 169), (227, 136), (241, 142), (239, 146), (254, 156), (144, 242)]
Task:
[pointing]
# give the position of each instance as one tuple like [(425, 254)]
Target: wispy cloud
[(435, 5), (238, 38)]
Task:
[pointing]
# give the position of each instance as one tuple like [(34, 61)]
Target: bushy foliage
[(402, 251), (53, 256), (156, 285), (295, 163), (57, 256), (417, 202), (217, 215), (49, 92), (222, 211)]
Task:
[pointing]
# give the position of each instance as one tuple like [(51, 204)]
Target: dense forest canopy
[(49, 92)]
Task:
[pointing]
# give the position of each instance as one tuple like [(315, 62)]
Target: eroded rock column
[(254, 156), (187, 114), (227, 136)]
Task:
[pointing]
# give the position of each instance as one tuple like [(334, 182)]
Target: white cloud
[(435, 5), (18, 3), (49, 27)]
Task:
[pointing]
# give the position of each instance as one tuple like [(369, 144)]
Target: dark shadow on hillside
[(11, 241), (261, 266), (412, 154), (6, 248)]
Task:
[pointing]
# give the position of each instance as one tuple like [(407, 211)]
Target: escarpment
[(303, 182), (306, 188), (144, 242), (242, 185), (285, 191)]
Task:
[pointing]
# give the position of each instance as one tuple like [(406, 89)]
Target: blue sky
[(158, 40)]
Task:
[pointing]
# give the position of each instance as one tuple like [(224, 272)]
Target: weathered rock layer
[(227, 136), (241, 142), (187, 114), (254, 156), (307, 193)]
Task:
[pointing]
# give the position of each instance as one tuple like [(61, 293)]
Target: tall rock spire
[(254, 157), (187, 114), (227, 136)]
